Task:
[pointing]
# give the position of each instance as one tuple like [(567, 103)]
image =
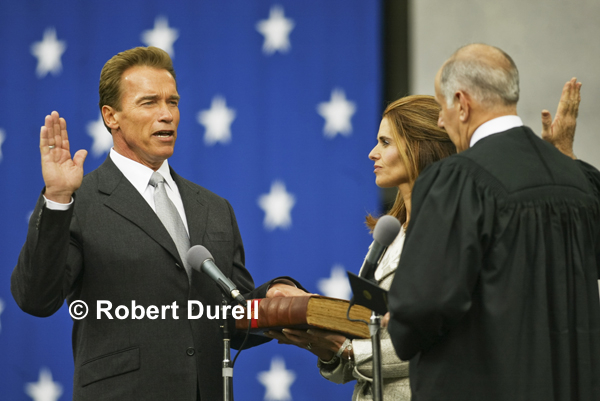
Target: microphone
[(386, 230), (201, 260)]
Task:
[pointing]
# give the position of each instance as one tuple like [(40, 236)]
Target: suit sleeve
[(441, 260), (240, 275), (243, 280), (49, 262)]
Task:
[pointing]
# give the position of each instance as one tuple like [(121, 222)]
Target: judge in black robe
[(496, 294)]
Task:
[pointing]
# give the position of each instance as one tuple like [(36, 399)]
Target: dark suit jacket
[(111, 246), (496, 293)]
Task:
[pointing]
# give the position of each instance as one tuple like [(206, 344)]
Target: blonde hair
[(413, 120)]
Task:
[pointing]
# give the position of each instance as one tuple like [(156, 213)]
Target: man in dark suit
[(102, 237), (496, 295)]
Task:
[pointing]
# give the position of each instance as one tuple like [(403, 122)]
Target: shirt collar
[(138, 174), (494, 126)]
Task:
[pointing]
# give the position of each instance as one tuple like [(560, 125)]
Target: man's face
[(448, 118), (149, 116)]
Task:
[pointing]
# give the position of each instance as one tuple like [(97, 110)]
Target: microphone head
[(197, 255), (386, 230)]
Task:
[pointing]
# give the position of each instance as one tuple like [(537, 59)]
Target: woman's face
[(390, 171)]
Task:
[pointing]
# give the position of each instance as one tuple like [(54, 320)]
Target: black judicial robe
[(496, 294)]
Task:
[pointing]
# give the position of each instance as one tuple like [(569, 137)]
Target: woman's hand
[(323, 343)]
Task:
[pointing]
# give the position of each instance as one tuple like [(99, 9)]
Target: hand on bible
[(385, 320), (322, 343), (561, 131), (62, 175), (285, 290)]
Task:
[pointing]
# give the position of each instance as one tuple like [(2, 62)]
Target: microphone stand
[(375, 330), (227, 368)]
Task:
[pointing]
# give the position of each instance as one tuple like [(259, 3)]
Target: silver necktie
[(171, 219)]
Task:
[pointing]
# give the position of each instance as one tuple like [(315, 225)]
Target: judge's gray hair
[(489, 83)]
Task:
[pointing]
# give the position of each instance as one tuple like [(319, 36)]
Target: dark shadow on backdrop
[(396, 61)]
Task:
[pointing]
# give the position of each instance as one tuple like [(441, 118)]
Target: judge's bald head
[(486, 73)]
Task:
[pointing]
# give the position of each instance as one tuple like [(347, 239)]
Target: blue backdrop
[(280, 106)]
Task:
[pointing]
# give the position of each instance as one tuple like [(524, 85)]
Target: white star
[(337, 114), (45, 389), (161, 36), (103, 140), (277, 206), (217, 122), (276, 31), (2, 138), (277, 381), (337, 285), (1, 310), (48, 53)]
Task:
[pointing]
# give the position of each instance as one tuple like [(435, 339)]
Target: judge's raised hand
[(62, 175), (561, 131)]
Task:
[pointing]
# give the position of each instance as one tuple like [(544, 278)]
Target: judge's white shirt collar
[(494, 126), (138, 174)]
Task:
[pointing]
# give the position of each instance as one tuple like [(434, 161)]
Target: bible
[(305, 312)]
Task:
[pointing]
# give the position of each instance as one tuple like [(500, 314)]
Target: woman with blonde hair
[(408, 141)]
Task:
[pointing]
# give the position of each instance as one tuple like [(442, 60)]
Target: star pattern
[(276, 31), (337, 285), (277, 381), (1, 310), (161, 36), (337, 114), (263, 69), (102, 138), (45, 389), (48, 52), (217, 122), (2, 139), (277, 206)]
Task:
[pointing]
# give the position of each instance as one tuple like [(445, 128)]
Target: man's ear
[(463, 102), (110, 118)]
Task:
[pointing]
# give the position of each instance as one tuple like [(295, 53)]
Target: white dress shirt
[(494, 126), (139, 176)]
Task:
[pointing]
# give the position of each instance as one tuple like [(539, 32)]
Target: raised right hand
[(561, 131), (62, 175)]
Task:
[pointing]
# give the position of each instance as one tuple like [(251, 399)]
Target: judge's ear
[(110, 117), (463, 101)]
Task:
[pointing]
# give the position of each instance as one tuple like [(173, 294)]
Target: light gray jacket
[(394, 371)]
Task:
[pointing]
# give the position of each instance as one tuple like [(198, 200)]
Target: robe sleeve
[(442, 257), (593, 176)]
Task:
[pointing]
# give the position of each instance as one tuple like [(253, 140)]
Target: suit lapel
[(196, 212), (124, 199)]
